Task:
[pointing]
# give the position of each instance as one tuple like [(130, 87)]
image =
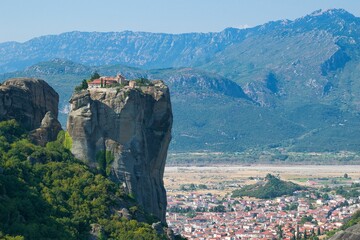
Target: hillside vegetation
[(272, 187), (47, 194)]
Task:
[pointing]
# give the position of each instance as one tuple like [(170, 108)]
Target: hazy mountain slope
[(293, 60), (213, 113), (307, 56), (158, 50), (288, 84), (188, 80), (224, 124), (131, 48), (210, 111)]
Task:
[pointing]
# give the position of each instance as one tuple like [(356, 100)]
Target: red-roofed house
[(106, 81)]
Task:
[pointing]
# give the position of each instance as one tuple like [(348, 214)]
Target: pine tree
[(95, 75), (84, 84), (280, 232), (297, 232)]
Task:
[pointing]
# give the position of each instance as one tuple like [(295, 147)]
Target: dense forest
[(45, 193)]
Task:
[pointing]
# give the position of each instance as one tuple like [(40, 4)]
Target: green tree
[(326, 196), (298, 235), (104, 159), (67, 141), (95, 75), (355, 219), (191, 214), (218, 208), (143, 82), (280, 232), (7, 237), (83, 86), (202, 186), (306, 218)]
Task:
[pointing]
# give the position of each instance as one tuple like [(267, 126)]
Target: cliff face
[(126, 133), (352, 233), (27, 100)]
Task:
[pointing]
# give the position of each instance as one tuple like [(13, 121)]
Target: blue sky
[(21, 20)]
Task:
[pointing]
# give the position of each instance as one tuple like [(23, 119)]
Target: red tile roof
[(105, 81)]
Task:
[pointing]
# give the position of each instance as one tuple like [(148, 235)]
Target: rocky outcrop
[(125, 133), (352, 233), (337, 61), (260, 93), (27, 100), (48, 131)]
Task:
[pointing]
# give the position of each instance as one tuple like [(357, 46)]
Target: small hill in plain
[(272, 187)]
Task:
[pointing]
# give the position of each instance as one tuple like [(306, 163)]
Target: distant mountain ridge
[(138, 49), (285, 86), (157, 50)]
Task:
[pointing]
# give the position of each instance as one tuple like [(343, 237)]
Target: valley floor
[(200, 204), (175, 176)]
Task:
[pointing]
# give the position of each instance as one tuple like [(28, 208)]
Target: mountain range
[(285, 86)]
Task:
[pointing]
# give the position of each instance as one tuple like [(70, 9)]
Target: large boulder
[(27, 100), (48, 130), (125, 132)]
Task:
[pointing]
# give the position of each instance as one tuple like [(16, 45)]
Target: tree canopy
[(48, 194), (273, 187)]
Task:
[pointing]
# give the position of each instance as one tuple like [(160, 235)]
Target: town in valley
[(202, 206)]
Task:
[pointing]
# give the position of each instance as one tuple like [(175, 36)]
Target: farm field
[(223, 179)]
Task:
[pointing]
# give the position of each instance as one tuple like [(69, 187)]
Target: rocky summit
[(125, 132), (34, 104)]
